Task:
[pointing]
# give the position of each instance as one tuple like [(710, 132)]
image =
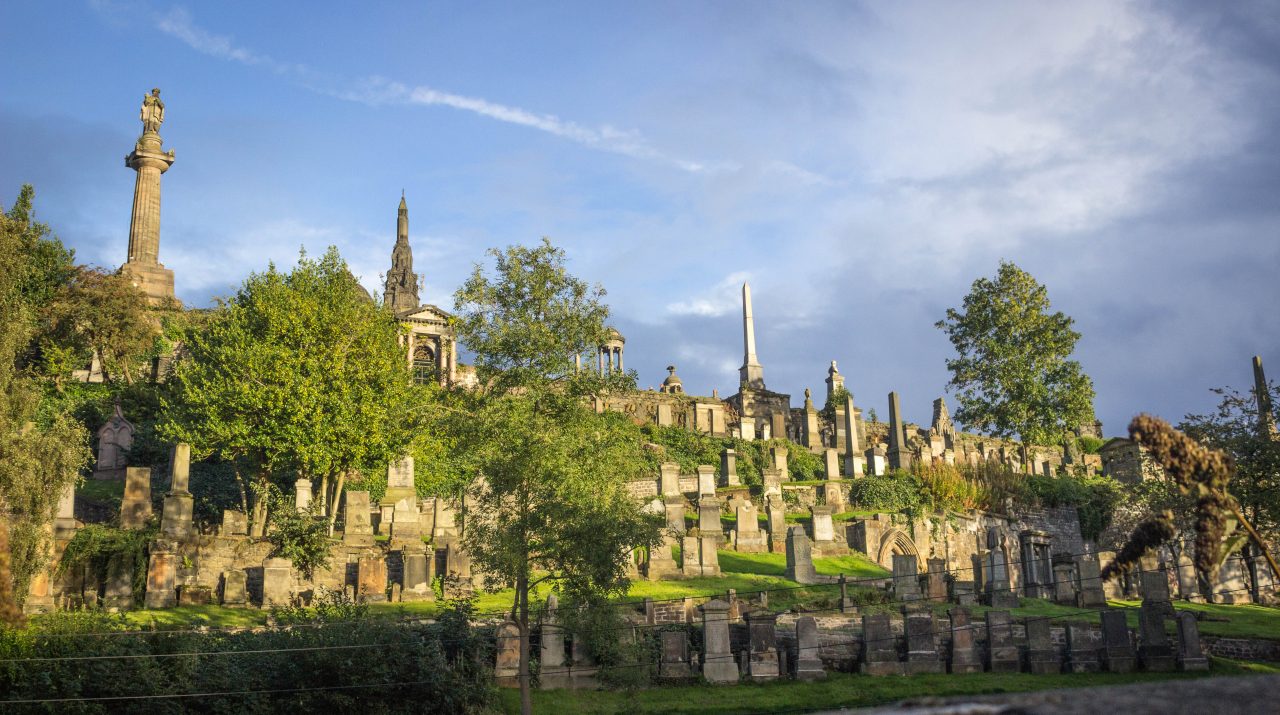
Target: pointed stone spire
[(401, 292), (1262, 397), (751, 373)]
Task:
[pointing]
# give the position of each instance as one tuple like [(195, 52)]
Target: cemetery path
[(1239, 695)]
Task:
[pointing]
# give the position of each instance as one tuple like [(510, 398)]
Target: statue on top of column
[(152, 114)]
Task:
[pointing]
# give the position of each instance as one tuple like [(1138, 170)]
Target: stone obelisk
[(1262, 398), (751, 372), (150, 161)]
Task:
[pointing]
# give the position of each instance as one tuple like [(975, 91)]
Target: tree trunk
[(522, 621), (244, 493), (324, 495), (259, 527), (337, 494)]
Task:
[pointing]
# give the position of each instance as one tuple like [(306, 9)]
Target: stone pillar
[(506, 669), (302, 495), (751, 372), (149, 160), (178, 503), (899, 455), (706, 480), (718, 665), (964, 652), (854, 463), (729, 468), (800, 557), (162, 575), (1002, 653), (277, 582), (135, 508), (879, 647)]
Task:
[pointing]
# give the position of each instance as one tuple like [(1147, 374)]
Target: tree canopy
[(298, 374), (1013, 375), (546, 474)]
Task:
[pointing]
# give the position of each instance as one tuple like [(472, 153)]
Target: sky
[(860, 164)]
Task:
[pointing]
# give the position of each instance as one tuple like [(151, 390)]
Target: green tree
[(105, 313), (546, 493), (297, 374), (1013, 375), (40, 452)]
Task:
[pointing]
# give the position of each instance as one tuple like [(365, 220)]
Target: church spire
[(401, 292)]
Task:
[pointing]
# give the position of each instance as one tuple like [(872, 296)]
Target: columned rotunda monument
[(150, 161)]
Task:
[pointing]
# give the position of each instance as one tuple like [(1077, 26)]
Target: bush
[(894, 492), (96, 545), (1090, 444), (1094, 497), (301, 537), (623, 659), (944, 487)]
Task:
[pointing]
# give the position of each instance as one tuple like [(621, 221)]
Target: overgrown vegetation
[(690, 449), (300, 536), (96, 546)]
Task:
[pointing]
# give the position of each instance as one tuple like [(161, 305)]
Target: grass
[(102, 490), (838, 690)]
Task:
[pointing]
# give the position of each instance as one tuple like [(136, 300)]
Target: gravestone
[(831, 463), (1117, 646), (800, 557), (718, 665), (709, 516), (1089, 592), (1082, 652), (674, 508), (1064, 589), (115, 438), (135, 507), (777, 514), (879, 647), (778, 457), (417, 575), (118, 592), (906, 578), (706, 481), (709, 556), (747, 537), (277, 582), (690, 556), (1042, 657), (1190, 657), (506, 669), (876, 462), (302, 495), (1153, 584), (936, 580), (371, 579), (1154, 650), (922, 645), (808, 660), (1002, 653), (162, 574), (673, 663), (406, 526), (175, 522), (762, 662), (824, 532), (729, 468), (854, 461), (846, 603), (359, 529), (964, 650), (772, 479), (899, 454), (964, 593), (661, 563), (235, 589), (669, 479), (1037, 566), (554, 673), (234, 523), (64, 523)]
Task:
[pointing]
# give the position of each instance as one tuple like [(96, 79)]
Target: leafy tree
[(298, 373), (40, 454), (1014, 375), (103, 312), (547, 475)]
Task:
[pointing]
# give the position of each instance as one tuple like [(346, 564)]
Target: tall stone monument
[(149, 160), (899, 454), (402, 283), (752, 372)]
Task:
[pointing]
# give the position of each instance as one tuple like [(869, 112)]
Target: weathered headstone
[(922, 645), (1042, 657), (831, 463), (669, 479), (1037, 566), (162, 574), (1117, 646), (762, 663), (772, 480), (359, 529), (406, 526), (854, 461), (709, 516), (936, 580), (964, 651), (118, 593), (728, 468), (1154, 649), (1190, 657), (999, 590), (706, 481), (824, 532), (800, 557), (554, 673), (747, 537), (277, 582), (115, 438), (1064, 588), (302, 494), (135, 508), (1002, 653), (673, 663), (879, 646), (778, 457), (906, 578), (371, 579), (234, 523), (1089, 592), (876, 462), (1082, 652), (64, 523), (506, 669), (808, 660), (417, 575), (661, 563), (964, 593), (1153, 584), (777, 521), (718, 665), (178, 503), (235, 590)]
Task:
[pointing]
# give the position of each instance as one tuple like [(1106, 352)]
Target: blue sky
[(860, 164)]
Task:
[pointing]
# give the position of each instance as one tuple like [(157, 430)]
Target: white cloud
[(722, 299)]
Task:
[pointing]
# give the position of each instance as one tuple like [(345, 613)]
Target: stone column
[(718, 665), (149, 160), (162, 575), (178, 503), (751, 372), (899, 455)]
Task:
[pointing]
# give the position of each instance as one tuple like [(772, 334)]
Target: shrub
[(301, 537), (895, 491), (944, 487)]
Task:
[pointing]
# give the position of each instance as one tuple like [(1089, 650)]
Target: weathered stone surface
[(1042, 657), (718, 665), (1154, 649), (162, 575), (747, 536), (358, 530), (235, 591), (673, 663), (1089, 593), (906, 578), (762, 662), (506, 670), (1064, 588), (879, 647), (1117, 646), (808, 660), (417, 576), (118, 594), (554, 673), (277, 582), (234, 523), (800, 557), (176, 522), (823, 528), (1190, 657), (115, 438), (899, 455), (706, 481), (1002, 653), (964, 651), (922, 645), (135, 508), (674, 506), (190, 595), (371, 583), (936, 580), (1082, 652)]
